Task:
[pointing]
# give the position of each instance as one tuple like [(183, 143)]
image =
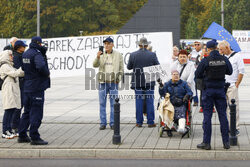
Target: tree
[(191, 28)]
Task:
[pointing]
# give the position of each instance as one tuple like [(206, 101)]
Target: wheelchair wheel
[(159, 123), (160, 129)]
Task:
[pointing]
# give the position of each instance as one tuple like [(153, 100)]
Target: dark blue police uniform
[(212, 70), (36, 81)]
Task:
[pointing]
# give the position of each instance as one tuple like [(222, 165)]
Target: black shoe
[(169, 133), (112, 127), (23, 140), (226, 145), (204, 146), (39, 142), (102, 127)]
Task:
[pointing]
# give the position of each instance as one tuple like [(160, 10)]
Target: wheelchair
[(189, 125)]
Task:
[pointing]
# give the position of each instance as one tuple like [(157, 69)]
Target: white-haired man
[(11, 45), (235, 79)]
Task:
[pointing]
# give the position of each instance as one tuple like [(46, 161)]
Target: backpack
[(2, 80)]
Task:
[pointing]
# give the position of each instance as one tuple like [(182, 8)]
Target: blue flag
[(218, 32)]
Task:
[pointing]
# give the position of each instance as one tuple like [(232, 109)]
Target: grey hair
[(224, 43)]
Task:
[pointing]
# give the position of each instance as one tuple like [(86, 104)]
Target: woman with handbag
[(10, 91)]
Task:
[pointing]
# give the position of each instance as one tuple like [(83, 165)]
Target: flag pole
[(222, 13)]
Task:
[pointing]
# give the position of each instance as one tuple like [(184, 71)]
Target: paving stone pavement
[(71, 124)]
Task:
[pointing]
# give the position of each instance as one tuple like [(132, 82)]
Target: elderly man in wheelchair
[(180, 93)]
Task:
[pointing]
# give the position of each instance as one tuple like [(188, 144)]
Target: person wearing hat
[(36, 81), (212, 70), (11, 45), (144, 92), (110, 64), (18, 51)]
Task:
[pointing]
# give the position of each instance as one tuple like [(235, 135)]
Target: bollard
[(117, 136), (233, 137)]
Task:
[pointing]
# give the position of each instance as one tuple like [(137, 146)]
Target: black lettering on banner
[(63, 62), (96, 43), (72, 63), (85, 60), (64, 45), (126, 58), (52, 46), (69, 45), (129, 41), (78, 59), (58, 43), (55, 67), (117, 41), (88, 43), (79, 44)]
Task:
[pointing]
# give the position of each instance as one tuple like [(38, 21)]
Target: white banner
[(72, 55), (153, 73), (243, 39)]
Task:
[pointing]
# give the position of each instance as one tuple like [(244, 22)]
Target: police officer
[(212, 70), (36, 81)]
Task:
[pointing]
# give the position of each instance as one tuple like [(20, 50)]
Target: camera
[(101, 48)]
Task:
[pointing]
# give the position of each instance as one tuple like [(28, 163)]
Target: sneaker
[(201, 110), (15, 132), (151, 125), (102, 127), (138, 125), (7, 135)]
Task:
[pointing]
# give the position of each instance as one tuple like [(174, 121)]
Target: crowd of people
[(214, 69), (25, 77), (209, 68)]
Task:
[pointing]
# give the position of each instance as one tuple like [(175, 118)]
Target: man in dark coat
[(215, 67), (143, 91), (36, 81)]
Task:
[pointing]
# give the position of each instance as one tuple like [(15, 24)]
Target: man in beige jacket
[(110, 63)]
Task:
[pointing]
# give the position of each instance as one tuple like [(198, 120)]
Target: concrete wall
[(156, 16)]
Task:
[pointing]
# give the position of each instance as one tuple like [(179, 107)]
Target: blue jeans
[(148, 95), (7, 119), (112, 90)]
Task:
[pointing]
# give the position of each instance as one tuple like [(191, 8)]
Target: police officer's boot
[(205, 146), (38, 142)]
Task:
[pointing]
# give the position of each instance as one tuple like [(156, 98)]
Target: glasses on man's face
[(197, 44)]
